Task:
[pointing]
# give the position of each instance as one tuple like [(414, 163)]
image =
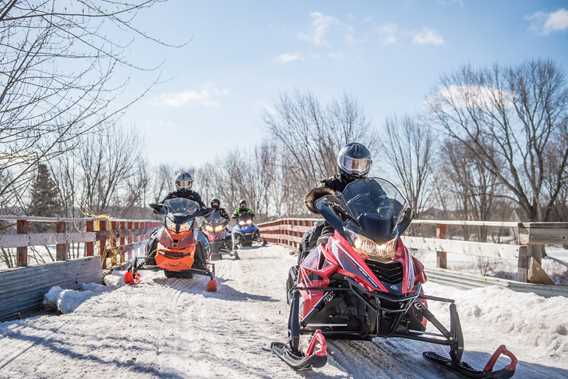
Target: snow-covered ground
[(172, 328)]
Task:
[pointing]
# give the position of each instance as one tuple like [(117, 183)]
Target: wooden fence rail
[(528, 238), (100, 236)]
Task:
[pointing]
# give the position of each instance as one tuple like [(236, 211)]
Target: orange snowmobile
[(176, 247)]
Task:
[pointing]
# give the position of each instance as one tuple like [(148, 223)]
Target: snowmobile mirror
[(325, 207), (158, 208), (403, 221)]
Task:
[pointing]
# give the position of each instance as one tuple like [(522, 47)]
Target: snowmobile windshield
[(215, 218), (376, 205), (181, 207)]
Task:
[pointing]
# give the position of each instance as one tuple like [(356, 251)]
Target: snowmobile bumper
[(132, 275)]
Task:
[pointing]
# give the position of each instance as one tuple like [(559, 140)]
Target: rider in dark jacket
[(353, 162), (184, 181), (216, 205)]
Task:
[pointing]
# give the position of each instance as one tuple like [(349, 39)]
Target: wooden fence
[(105, 242), (526, 239), (102, 236)]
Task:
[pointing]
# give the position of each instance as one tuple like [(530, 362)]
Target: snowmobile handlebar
[(157, 208), (329, 209)]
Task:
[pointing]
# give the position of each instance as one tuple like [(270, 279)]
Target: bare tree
[(409, 148), (473, 185), (521, 110), (56, 76), (311, 134), (163, 181)]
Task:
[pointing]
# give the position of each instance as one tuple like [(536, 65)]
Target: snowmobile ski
[(487, 373), (316, 354)]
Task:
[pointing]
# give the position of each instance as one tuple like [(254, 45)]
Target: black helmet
[(354, 160), (243, 203), (215, 203), (184, 181)]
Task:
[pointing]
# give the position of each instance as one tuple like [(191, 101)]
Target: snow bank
[(69, 300), (95, 287), (66, 301), (535, 323), (50, 298)]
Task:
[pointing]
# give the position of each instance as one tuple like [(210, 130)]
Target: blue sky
[(387, 55)]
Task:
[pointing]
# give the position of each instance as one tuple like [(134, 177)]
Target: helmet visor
[(355, 166), (184, 184)]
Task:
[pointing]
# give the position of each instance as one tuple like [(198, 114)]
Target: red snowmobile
[(364, 283)]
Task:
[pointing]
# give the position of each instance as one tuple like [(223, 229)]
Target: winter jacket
[(187, 194), (239, 212)]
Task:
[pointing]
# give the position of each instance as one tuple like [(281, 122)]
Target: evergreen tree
[(45, 195)]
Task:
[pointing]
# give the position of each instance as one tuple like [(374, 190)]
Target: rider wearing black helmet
[(216, 205), (353, 162), (184, 182)]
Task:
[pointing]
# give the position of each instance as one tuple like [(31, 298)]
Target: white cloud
[(428, 37), (389, 33), (462, 96), (208, 96), (546, 23), (321, 25), (289, 57)]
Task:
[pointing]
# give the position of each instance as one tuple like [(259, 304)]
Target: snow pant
[(202, 253)]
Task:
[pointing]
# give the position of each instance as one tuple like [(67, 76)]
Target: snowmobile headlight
[(372, 249), (170, 224), (185, 227), (241, 223), (249, 222), (219, 228), (209, 228)]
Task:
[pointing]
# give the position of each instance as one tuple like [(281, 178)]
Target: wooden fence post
[(102, 241), (90, 246), (441, 256), (60, 248), (523, 264), (122, 241), (22, 227), (129, 238)]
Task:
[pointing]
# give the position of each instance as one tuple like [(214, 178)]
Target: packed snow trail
[(172, 328)]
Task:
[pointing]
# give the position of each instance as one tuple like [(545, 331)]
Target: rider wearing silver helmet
[(353, 162)]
